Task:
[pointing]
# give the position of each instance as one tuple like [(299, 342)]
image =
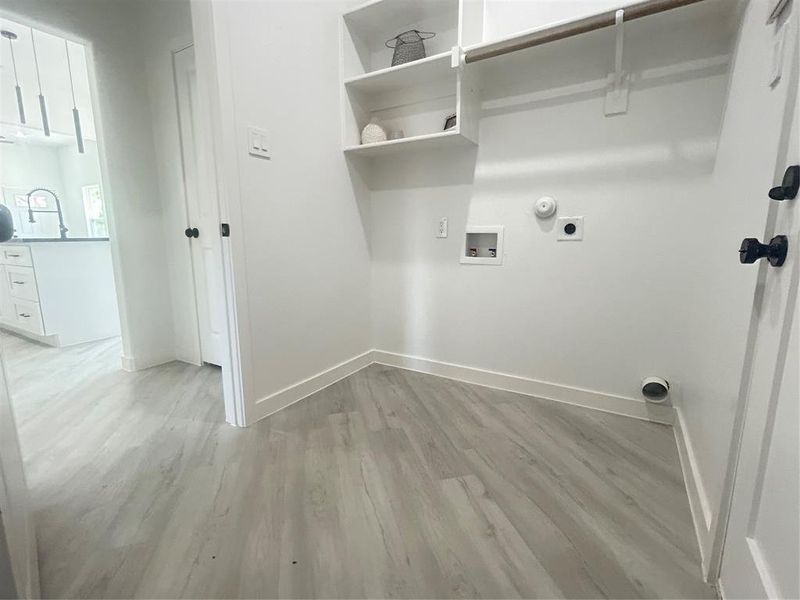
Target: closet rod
[(558, 32)]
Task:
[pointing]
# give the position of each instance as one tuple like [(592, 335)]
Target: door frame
[(719, 526), (214, 98), (232, 392)]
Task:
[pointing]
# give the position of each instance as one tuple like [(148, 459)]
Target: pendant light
[(11, 36), (42, 106), (76, 116)]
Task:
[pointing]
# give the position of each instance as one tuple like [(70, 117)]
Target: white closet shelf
[(374, 14), (393, 79), (671, 23), (441, 139)]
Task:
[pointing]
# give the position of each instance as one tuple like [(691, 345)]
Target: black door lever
[(775, 252), (790, 185)]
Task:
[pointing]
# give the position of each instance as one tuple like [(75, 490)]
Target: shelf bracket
[(618, 81), (457, 58)]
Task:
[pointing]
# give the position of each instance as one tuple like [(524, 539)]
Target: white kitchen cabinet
[(58, 292)]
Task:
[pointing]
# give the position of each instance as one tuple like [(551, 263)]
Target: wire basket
[(408, 46)]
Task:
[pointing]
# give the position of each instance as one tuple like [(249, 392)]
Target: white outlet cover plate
[(257, 143), (441, 231), (563, 236)]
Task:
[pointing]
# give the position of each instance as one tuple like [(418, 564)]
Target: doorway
[(57, 283)]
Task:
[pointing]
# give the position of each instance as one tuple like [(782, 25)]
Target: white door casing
[(17, 536), (202, 213), (762, 545)]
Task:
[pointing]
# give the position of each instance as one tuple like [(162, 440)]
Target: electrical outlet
[(257, 143), (442, 231), (570, 229)]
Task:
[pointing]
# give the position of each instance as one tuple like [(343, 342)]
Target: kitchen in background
[(56, 274)]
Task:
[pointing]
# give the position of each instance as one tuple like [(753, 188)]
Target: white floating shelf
[(441, 139), (373, 14), (394, 79)]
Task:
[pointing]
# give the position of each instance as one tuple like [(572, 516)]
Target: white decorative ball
[(373, 133)]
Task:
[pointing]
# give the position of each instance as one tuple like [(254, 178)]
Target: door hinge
[(225, 230)]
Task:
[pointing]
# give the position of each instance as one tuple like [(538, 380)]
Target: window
[(95, 211)]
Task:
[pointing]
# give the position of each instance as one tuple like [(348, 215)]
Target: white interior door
[(202, 213), (19, 571), (761, 552)]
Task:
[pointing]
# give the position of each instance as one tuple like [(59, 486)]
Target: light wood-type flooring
[(388, 483)]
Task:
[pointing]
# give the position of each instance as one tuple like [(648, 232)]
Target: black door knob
[(191, 232), (788, 189), (775, 252)]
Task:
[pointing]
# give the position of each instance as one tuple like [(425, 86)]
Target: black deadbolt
[(788, 189), (751, 250), (191, 232)]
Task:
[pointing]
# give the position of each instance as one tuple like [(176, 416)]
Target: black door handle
[(191, 232), (790, 185), (775, 252)]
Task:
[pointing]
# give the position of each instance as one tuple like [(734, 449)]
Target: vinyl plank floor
[(387, 484)]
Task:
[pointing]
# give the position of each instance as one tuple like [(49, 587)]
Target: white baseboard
[(698, 499), (294, 393), (619, 405), (47, 340), (132, 363)]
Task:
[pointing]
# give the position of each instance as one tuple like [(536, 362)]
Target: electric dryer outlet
[(570, 229)]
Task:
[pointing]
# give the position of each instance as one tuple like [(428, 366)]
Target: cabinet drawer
[(22, 283), (28, 316), (16, 255)]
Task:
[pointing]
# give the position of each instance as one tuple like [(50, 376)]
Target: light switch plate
[(570, 229), (441, 232), (257, 142)]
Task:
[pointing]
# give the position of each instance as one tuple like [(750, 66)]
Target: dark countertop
[(73, 239)]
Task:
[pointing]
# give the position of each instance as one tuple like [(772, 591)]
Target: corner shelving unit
[(413, 99)]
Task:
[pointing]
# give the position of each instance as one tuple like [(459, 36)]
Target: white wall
[(121, 37), (507, 17), (298, 238), (599, 314)]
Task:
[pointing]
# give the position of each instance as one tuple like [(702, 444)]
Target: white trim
[(294, 393), (721, 589), (47, 340), (133, 364), (619, 405), (702, 517)]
